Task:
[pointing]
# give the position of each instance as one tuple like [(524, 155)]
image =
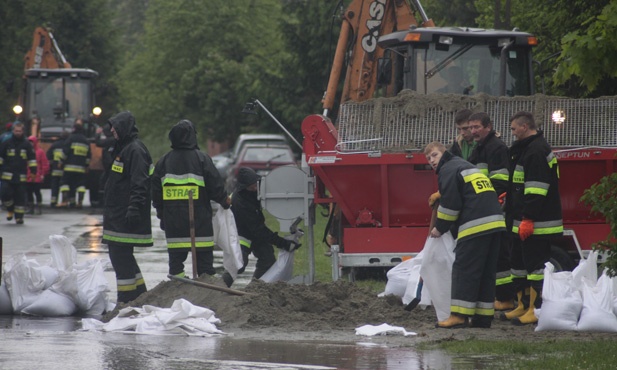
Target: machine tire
[(561, 259)]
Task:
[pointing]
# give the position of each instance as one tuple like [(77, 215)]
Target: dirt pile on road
[(319, 306), (327, 312)]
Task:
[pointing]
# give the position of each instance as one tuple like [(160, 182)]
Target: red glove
[(502, 198), (525, 229)]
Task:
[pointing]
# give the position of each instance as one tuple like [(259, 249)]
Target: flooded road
[(59, 343)]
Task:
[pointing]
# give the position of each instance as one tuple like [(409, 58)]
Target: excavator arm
[(44, 52), (364, 21)]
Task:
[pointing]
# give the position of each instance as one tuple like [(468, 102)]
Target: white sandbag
[(597, 314), (283, 268), (226, 237), (6, 308), (51, 304), (415, 286), (561, 301), (63, 254), (50, 275), (398, 276), (436, 272), (587, 270), (24, 280), (92, 287)]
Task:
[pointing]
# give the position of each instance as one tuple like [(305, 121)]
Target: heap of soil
[(327, 312), (319, 306)]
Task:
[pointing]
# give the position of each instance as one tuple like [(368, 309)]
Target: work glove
[(525, 229), (132, 216), (162, 224), (433, 198), (502, 198), (284, 244)]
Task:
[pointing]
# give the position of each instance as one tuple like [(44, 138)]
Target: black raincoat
[(128, 187), (181, 170)]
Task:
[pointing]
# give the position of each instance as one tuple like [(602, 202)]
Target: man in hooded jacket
[(126, 216), (255, 236), (182, 170)]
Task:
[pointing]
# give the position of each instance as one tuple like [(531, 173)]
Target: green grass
[(551, 354), (323, 264)]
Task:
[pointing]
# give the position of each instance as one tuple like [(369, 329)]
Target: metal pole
[(192, 230), (280, 124)]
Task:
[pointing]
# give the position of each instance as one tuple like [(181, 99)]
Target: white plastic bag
[(51, 304), (586, 271), (597, 314), (415, 287), (92, 287), (226, 237), (283, 268), (24, 280), (63, 254), (398, 277), (436, 272), (561, 301)]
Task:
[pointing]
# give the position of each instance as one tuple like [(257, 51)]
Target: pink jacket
[(42, 163)]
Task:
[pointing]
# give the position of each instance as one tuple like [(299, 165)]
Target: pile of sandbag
[(182, 318), (60, 288), (578, 300), (426, 279)]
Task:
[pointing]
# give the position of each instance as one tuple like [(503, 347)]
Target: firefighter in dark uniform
[(16, 156), (55, 155), (76, 161), (182, 170), (468, 202), (255, 236), (491, 157), (533, 213), (126, 216)]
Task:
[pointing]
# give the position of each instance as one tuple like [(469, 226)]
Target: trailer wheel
[(561, 259)]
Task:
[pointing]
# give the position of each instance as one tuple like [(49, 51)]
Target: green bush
[(602, 197)]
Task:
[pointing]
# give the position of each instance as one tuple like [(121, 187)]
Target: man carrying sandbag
[(468, 202)]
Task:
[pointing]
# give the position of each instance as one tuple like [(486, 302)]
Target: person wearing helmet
[(255, 236)]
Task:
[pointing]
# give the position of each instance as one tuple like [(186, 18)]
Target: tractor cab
[(454, 60)]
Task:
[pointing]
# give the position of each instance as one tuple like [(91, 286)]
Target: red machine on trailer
[(371, 164)]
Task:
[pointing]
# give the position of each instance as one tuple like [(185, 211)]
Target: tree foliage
[(201, 61), (602, 197), (82, 29)]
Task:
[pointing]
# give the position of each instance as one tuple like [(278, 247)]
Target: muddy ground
[(327, 312)]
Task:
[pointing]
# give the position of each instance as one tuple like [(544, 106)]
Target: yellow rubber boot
[(529, 317), (519, 311), (453, 322), (504, 305)]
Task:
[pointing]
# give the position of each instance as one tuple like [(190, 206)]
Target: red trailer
[(375, 171)]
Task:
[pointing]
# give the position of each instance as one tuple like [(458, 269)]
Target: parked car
[(224, 161), (262, 159)]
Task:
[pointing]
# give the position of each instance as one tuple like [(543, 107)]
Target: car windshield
[(267, 154)]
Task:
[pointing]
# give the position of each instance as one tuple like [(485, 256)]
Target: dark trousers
[(265, 258), (205, 261), (129, 280), (13, 196), (529, 257), (55, 188), (34, 191), (504, 290), (473, 275), (74, 182)]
